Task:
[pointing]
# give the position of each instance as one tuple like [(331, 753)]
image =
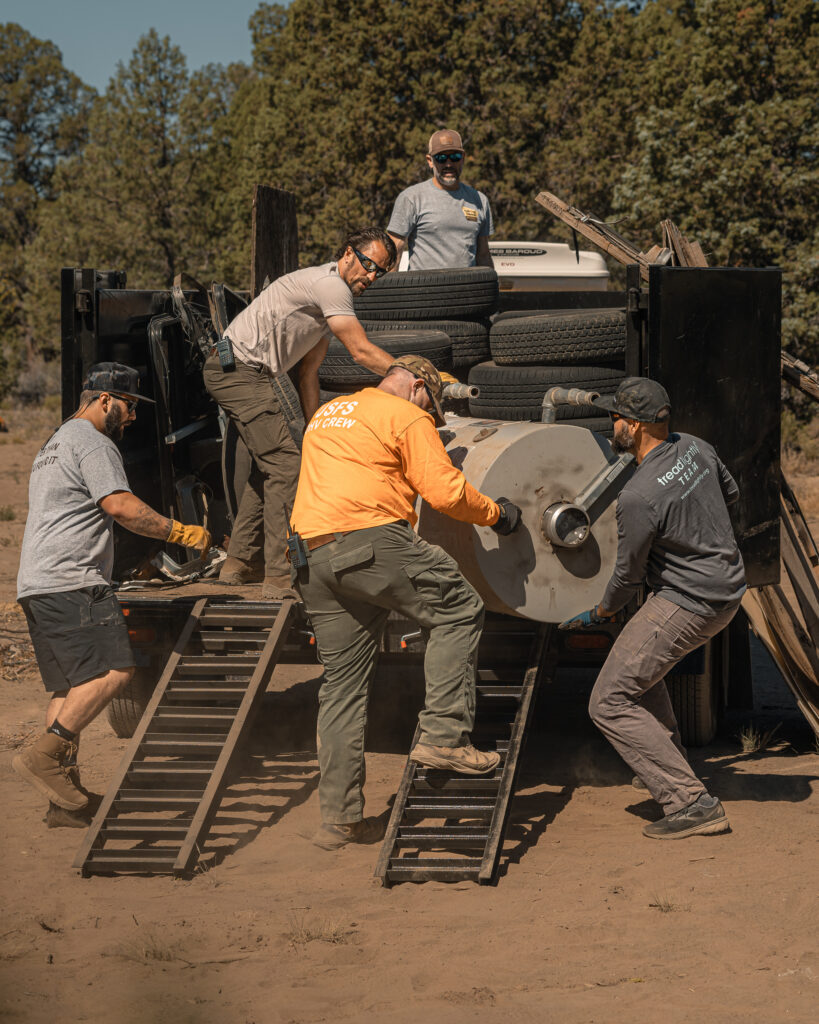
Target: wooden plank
[(274, 247), (92, 838)]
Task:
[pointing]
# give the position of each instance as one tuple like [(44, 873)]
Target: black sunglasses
[(131, 403), (368, 264), (453, 158)]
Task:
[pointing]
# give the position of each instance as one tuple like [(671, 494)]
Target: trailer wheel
[(468, 293), (126, 709), (516, 392), (695, 699), (339, 367), (563, 337), (470, 338)]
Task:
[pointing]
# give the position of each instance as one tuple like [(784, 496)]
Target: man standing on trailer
[(676, 535), (78, 489), (366, 458), (442, 222), (290, 322)]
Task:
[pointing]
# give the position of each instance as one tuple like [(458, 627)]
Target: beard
[(622, 443), (114, 423)]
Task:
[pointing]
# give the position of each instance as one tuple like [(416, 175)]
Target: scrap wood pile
[(675, 251)]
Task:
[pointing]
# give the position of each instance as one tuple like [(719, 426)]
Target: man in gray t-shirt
[(77, 490), (289, 323), (442, 222), (675, 534)]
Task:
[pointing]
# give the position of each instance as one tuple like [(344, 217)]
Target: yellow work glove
[(190, 536), (447, 378)]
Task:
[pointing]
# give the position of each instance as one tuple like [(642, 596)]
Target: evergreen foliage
[(704, 111)]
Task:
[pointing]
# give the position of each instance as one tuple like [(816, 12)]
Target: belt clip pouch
[(224, 349), (297, 551)]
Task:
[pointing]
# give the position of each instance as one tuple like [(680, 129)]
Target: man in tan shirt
[(365, 459)]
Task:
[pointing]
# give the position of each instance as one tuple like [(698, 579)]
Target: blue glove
[(584, 620)]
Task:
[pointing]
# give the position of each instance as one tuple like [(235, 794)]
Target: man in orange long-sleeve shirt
[(365, 459)]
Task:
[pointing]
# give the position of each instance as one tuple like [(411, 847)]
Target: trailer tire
[(694, 699), (127, 708), (563, 337), (468, 293), (470, 338), (516, 392), (339, 367)]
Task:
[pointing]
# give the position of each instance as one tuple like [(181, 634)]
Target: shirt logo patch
[(470, 213)]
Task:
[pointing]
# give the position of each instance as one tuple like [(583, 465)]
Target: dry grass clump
[(754, 740), (303, 931)]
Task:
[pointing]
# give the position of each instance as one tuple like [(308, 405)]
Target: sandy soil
[(590, 922)]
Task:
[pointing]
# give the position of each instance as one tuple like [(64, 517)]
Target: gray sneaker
[(704, 817), (45, 766), (464, 760)]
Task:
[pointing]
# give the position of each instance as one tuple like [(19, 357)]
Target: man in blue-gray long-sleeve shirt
[(675, 534)]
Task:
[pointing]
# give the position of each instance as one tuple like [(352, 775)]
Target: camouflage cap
[(117, 378), (424, 370), (444, 141), (638, 398)]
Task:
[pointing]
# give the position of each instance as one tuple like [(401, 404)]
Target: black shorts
[(77, 635)]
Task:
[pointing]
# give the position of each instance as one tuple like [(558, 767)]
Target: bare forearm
[(310, 395), (134, 515)]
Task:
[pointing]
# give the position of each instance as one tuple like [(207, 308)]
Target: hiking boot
[(333, 837), (638, 783), (43, 765), (235, 572), (59, 817), (464, 760), (277, 588), (704, 817)]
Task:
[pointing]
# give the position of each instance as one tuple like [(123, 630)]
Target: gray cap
[(638, 398)]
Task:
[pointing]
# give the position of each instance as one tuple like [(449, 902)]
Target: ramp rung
[(144, 860), (170, 774), (174, 743), (213, 664), (145, 828), (221, 640), (212, 693), (433, 869), (502, 714)]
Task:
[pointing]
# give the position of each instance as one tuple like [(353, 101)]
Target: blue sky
[(94, 35)]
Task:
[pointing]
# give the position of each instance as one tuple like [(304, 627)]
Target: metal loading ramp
[(450, 827), (164, 795)]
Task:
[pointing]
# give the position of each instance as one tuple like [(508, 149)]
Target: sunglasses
[(453, 158), (368, 264), (131, 403)]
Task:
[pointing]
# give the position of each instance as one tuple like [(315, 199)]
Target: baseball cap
[(425, 371), (115, 377), (638, 398), (444, 140)]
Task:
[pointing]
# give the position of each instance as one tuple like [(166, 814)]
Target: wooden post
[(274, 246)]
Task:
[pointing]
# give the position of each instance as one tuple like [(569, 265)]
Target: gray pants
[(248, 399), (349, 588), (630, 703)]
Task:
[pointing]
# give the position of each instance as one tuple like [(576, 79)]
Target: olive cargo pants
[(248, 399), (349, 588), (630, 703)]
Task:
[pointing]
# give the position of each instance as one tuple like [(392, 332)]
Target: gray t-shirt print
[(442, 228), (69, 541)]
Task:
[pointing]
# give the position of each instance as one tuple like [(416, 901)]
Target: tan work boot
[(234, 572), (464, 760), (277, 588), (333, 837), (43, 765)]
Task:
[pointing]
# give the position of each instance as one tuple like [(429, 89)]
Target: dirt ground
[(589, 922)]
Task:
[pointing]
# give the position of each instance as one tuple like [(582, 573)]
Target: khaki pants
[(349, 588), (630, 703), (248, 399)]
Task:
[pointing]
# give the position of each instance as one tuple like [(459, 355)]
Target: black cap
[(116, 378), (638, 398)]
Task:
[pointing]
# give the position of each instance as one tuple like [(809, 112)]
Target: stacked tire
[(457, 302), (531, 353)]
